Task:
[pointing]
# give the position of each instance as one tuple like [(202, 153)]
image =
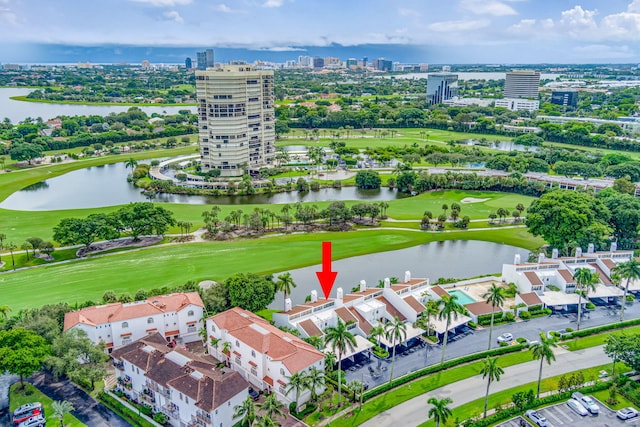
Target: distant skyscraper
[(566, 98), (318, 63), (305, 61), (352, 63), (188, 63), (205, 59), (235, 118), (522, 84), (446, 68), (382, 64), (441, 86), (209, 57)]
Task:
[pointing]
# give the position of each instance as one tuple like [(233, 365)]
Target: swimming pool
[(463, 297)]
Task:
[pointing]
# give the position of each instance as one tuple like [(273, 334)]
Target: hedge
[(598, 329), (439, 367), (126, 413), (513, 411)]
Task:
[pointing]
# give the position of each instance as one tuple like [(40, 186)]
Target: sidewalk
[(414, 412)]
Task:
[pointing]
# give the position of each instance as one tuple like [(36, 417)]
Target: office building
[(566, 98), (351, 63), (522, 84), (305, 61), (441, 86), (382, 64), (205, 59), (518, 104), (318, 63), (188, 63), (235, 119)]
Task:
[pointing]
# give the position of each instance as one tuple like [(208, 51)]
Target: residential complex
[(518, 104), (522, 84), (236, 119), (263, 354), (177, 317), (441, 86), (190, 390)]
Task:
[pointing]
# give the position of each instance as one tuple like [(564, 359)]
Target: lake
[(17, 111), (452, 258), (107, 185)]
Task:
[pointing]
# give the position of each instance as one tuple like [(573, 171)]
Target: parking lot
[(561, 415)]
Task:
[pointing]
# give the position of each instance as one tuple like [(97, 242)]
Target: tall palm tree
[(296, 382), (397, 332), (246, 412), (130, 163), (315, 380), (449, 308), (495, 297), (284, 284), (492, 372), (586, 280), (271, 407), (627, 270), (330, 361), (439, 411), (543, 350), (432, 308), (377, 332), (265, 421), (60, 409), (340, 340)]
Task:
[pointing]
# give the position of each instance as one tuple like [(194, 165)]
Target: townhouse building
[(190, 390), (177, 317)]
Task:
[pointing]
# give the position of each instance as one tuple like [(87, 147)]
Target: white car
[(587, 402), (536, 417), (577, 407), (37, 421), (626, 413), (507, 337)]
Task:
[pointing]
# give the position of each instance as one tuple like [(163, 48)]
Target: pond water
[(107, 185), (17, 111), (452, 258)]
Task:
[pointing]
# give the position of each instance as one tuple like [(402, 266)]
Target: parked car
[(37, 421), (587, 402), (536, 417), (506, 337), (253, 393), (26, 411), (577, 407), (626, 413)]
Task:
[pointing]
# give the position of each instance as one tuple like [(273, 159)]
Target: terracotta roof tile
[(531, 298), (603, 277), (345, 315), (609, 263), (567, 276), (362, 322), (414, 304), (438, 290), (391, 309), (481, 307), (533, 278), (310, 328)]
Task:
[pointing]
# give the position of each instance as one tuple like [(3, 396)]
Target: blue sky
[(456, 31)]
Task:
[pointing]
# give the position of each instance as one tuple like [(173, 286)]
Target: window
[(125, 325), (253, 353), (281, 371), (213, 328), (237, 344), (190, 313), (150, 320)]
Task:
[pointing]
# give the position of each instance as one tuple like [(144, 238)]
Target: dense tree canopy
[(22, 352), (73, 231), (145, 218), (250, 291), (368, 179)]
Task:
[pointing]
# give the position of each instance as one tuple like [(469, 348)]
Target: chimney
[(407, 276), (590, 248), (554, 253), (614, 246), (339, 294), (516, 259), (363, 285), (541, 257), (578, 252), (287, 304), (314, 296), (387, 282)]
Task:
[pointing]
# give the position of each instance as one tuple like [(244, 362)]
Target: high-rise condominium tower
[(522, 84), (441, 86), (236, 119)]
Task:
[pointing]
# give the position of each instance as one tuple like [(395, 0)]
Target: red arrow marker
[(326, 277)]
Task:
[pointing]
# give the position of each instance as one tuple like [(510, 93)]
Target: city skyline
[(461, 31)]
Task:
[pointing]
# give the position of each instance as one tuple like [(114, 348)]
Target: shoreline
[(24, 98)]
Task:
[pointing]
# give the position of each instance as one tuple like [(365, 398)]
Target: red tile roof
[(482, 307), (362, 322), (566, 275), (439, 291), (603, 276), (310, 328), (414, 304), (391, 309), (609, 263), (346, 316), (533, 278), (530, 298)]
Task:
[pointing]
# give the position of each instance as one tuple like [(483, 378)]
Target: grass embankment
[(25, 98), (18, 398)]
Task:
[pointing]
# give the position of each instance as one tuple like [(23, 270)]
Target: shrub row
[(126, 413), (439, 367), (598, 329), (547, 400)]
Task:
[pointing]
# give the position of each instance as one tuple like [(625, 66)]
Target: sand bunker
[(472, 200)]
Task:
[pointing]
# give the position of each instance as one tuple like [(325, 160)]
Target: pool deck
[(476, 290)]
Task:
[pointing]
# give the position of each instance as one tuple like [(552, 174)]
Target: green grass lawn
[(598, 339), (18, 398), (623, 402), (175, 264)]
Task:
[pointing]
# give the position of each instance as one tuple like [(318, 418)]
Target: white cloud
[(164, 3), (456, 26), (634, 6), (604, 51), (487, 7), (225, 9), (273, 3), (6, 15), (282, 49), (173, 15)]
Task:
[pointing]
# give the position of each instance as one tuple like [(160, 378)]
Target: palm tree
[(246, 411), (60, 409), (271, 407), (492, 371), (543, 350), (4, 311), (265, 422), (330, 361), (376, 332), (131, 163), (627, 270), (284, 284), (296, 382), (340, 340), (315, 380), (226, 350), (495, 297), (440, 412), (449, 309), (397, 332), (586, 280)]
